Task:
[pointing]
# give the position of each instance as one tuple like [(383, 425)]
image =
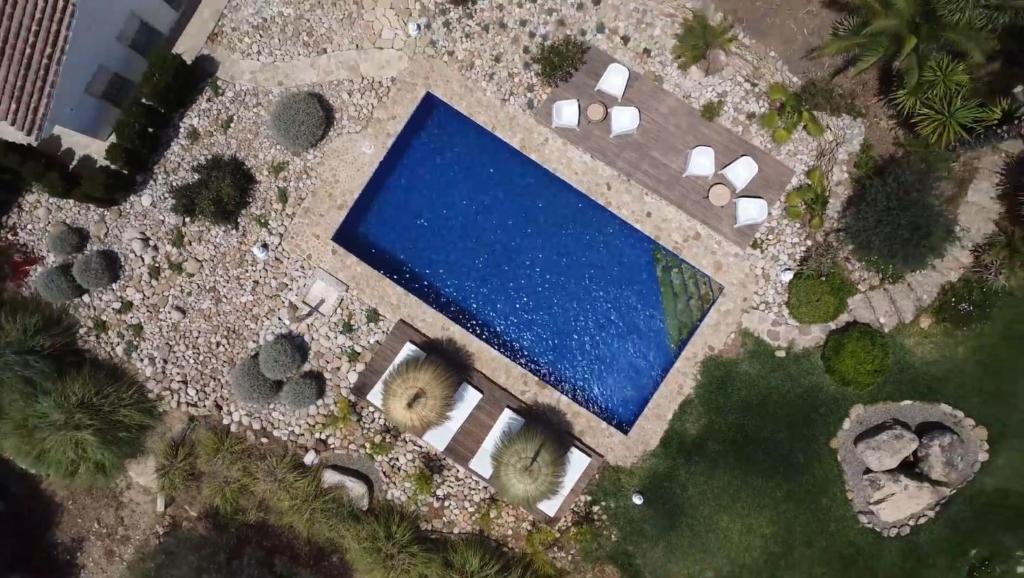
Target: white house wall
[(94, 42)]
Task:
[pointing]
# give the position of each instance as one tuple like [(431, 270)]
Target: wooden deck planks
[(655, 157), (472, 433)]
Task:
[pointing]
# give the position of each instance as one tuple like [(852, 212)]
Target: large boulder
[(893, 496), (884, 446), (352, 483), (716, 61), (943, 457)]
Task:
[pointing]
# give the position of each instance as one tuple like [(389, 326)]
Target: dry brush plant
[(419, 394)]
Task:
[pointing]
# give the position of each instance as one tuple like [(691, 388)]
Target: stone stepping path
[(891, 305)]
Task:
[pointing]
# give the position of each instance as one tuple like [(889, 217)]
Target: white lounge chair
[(509, 421), (466, 399), (625, 120), (740, 172), (613, 81), (576, 464), (566, 114), (700, 162), (751, 211)]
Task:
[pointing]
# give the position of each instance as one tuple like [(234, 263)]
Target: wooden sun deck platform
[(472, 433), (655, 157)]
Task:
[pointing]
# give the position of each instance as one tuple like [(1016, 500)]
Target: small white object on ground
[(638, 498), (414, 29), (786, 275), (311, 458), (161, 503), (261, 251)]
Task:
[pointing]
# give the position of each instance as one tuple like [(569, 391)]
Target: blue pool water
[(518, 257)]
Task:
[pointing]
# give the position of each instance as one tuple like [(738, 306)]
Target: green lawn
[(745, 484)]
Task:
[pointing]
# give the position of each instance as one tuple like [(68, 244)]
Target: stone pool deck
[(349, 161)]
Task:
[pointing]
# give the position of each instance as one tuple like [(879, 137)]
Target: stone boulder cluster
[(902, 461)]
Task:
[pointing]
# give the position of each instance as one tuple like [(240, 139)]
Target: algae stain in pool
[(527, 263)]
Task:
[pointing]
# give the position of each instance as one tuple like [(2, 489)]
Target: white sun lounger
[(613, 81), (509, 421), (751, 211), (565, 114), (577, 463), (740, 172), (700, 162), (625, 120), (466, 398)]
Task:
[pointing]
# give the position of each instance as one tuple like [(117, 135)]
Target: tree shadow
[(29, 547)]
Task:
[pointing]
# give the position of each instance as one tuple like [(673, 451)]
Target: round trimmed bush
[(818, 299), (529, 465), (64, 240), (281, 357), (298, 121), (303, 390), (856, 356), (420, 393), (250, 385), (57, 284), (97, 269)]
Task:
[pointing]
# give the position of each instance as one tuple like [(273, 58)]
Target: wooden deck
[(655, 157), (472, 433)]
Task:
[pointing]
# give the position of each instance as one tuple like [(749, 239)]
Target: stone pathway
[(344, 65), (890, 305)]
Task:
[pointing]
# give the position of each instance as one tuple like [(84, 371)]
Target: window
[(140, 36), (111, 87)]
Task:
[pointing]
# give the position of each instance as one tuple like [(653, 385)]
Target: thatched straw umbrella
[(419, 394), (529, 464)]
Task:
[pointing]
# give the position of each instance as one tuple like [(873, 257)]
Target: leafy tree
[(904, 33)]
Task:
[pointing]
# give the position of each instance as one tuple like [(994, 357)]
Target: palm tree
[(903, 33)]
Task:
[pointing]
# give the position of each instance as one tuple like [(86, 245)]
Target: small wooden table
[(597, 111), (719, 195)]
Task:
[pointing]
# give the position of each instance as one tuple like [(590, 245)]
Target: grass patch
[(745, 484)]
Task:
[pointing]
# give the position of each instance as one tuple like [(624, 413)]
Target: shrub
[(818, 299), (81, 427), (100, 185), (303, 390), (1011, 190), (819, 94), (64, 240), (168, 82), (966, 302), (126, 158), (711, 110), (390, 546), (282, 356), (57, 284), (895, 221), (250, 385), (34, 336), (788, 113), (219, 194), (529, 465), (97, 269), (298, 121), (856, 356), (810, 199), (475, 557), (560, 59), (420, 393), (176, 465), (999, 259), (698, 37)]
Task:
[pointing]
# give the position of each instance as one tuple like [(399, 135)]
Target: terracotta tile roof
[(33, 38)]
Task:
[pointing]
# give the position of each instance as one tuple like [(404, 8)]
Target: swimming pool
[(529, 264)]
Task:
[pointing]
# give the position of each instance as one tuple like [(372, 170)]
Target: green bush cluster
[(896, 221), (967, 302), (856, 356), (299, 121), (57, 284), (257, 380), (251, 386), (815, 298), (303, 390), (282, 357), (64, 240), (244, 483), (220, 192), (560, 59), (97, 269), (62, 413)]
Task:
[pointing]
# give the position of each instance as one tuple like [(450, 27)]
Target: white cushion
[(577, 462), (613, 81), (700, 162), (509, 421)]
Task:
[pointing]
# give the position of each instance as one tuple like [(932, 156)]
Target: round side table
[(719, 195), (597, 112)]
